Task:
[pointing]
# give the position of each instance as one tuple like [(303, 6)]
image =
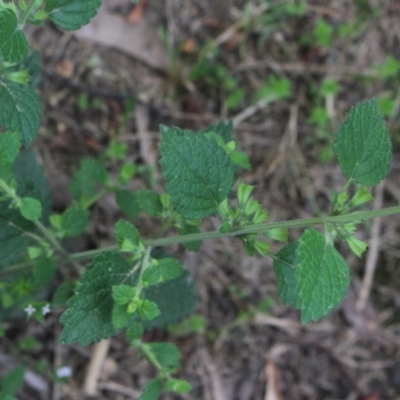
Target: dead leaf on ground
[(139, 40), (136, 13), (65, 68)]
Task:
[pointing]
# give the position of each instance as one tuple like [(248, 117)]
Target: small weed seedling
[(133, 285)]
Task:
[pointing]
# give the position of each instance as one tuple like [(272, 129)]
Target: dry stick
[(118, 388), (217, 386), (287, 143), (249, 111), (231, 30), (373, 252), (302, 68), (96, 363)]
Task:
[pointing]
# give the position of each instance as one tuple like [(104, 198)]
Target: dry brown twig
[(94, 369), (373, 252)]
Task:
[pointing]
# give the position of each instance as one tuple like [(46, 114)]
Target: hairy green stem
[(49, 237), (260, 228), (150, 356)]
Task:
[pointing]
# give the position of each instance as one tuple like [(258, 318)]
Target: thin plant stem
[(357, 216)]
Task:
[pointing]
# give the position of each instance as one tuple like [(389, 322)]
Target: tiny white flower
[(30, 310), (64, 372), (46, 309)]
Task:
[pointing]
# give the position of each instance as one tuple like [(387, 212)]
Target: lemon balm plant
[(133, 285)]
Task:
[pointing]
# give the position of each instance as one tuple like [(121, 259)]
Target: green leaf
[(152, 390), (223, 129), (175, 299), (43, 271), (126, 235), (13, 241), (30, 208), (120, 316), (13, 381), (89, 316), (13, 227), (74, 221), (170, 268), (312, 276), (152, 275), (148, 310), (166, 269), (32, 63), (135, 332), (20, 110), (10, 143), (178, 386), (362, 145), (127, 202), (64, 292), (123, 294), (167, 354), (149, 202), (84, 184), (240, 159), (389, 68), (323, 276), (285, 267), (72, 14), (13, 43), (198, 172)]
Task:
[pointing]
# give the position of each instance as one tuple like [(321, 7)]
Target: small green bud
[(251, 207), (357, 246), (279, 234), (165, 199), (132, 306), (178, 386), (342, 198), (224, 210), (243, 194), (350, 227), (39, 16), (225, 227), (22, 5), (34, 252), (20, 77), (126, 172), (333, 197), (230, 146), (55, 221), (127, 246), (362, 196), (260, 216), (261, 247)]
